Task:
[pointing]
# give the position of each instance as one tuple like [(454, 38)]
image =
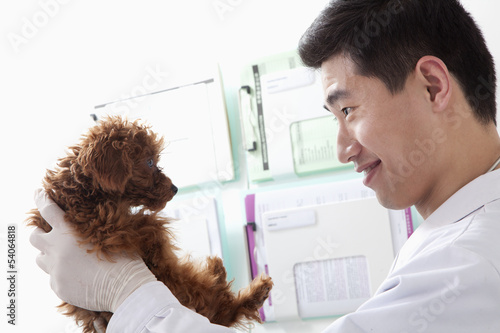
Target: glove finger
[(38, 239), (42, 262), (41, 198), (49, 210)]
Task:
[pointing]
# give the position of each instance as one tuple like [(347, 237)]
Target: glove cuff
[(133, 275)]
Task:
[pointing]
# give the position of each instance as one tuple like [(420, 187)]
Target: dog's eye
[(150, 163)]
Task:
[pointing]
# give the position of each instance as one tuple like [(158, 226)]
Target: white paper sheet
[(341, 283), (288, 96), (269, 201), (356, 234), (197, 227), (193, 121)]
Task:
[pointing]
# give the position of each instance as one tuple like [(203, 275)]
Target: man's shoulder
[(475, 237), (482, 234)]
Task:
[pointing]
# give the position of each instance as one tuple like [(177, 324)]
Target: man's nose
[(347, 147)]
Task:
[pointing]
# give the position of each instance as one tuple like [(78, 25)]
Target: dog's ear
[(108, 163)]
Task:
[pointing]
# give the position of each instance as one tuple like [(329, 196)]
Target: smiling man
[(415, 147), (412, 85)]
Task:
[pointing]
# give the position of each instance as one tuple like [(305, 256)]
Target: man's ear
[(108, 164), (435, 76)]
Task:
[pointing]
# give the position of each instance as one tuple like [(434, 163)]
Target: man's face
[(386, 136)]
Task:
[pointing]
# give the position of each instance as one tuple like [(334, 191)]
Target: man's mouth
[(366, 168), (371, 167)]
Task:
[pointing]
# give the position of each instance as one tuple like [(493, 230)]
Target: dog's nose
[(174, 188)]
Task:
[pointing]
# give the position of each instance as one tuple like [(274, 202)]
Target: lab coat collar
[(464, 202), (471, 197)]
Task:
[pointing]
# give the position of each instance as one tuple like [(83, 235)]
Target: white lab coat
[(445, 279)]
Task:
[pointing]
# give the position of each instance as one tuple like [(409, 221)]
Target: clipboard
[(326, 260), (280, 100), (402, 222), (171, 113)]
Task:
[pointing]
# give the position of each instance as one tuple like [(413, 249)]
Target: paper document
[(196, 134), (314, 145), (342, 283), (277, 95), (285, 202), (347, 253), (195, 226)]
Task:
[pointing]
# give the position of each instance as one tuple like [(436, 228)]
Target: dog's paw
[(260, 288), (251, 299), (257, 292)]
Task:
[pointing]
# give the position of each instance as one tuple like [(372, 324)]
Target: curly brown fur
[(112, 170)]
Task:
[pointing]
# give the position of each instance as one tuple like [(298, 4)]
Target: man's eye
[(346, 111), (150, 163)]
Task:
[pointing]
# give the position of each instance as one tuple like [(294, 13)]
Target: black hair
[(386, 38)]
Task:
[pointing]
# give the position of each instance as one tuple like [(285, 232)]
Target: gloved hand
[(76, 276)]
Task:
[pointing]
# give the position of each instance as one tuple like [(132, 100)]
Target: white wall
[(61, 58)]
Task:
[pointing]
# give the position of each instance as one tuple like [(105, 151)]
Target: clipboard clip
[(248, 121)]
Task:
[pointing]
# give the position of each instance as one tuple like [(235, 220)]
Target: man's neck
[(476, 150)]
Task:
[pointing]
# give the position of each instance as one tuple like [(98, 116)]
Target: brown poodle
[(111, 189)]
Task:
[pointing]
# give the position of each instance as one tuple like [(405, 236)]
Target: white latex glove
[(80, 278)]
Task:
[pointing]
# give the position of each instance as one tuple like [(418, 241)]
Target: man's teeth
[(370, 168)]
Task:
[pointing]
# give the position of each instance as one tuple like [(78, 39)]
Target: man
[(412, 85)]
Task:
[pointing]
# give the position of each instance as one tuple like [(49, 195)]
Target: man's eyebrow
[(335, 95)]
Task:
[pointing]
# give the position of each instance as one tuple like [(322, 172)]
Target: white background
[(77, 54)]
